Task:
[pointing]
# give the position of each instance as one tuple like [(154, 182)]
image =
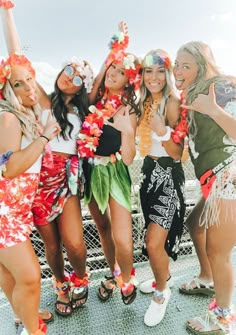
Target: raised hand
[(119, 42), (123, 27), (204, 103), (122, 120), (157, 124), (52, 128)]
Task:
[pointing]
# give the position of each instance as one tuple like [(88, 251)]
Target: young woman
[(211, 101), (107, 139), (56, 207), (22, 143), (162, 184)]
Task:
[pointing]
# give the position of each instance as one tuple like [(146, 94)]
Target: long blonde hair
[(29, 117), (208, 72), (159, 57)]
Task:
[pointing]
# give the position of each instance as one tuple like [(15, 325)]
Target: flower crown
[(7, 4), (6, 66), (156, 59), (85, 72)]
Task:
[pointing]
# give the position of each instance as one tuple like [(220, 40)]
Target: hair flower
[(85, 71), (13, 59), (128, 62)]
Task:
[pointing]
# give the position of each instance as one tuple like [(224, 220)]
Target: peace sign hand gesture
[(204, 103)]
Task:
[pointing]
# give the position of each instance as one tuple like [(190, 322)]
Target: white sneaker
[(149, 286), (156, 312)]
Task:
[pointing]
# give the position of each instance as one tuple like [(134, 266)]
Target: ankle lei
[(91, 129), (224, 315)]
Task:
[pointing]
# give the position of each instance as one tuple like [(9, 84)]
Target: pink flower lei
[(91, 130), (181, 130)]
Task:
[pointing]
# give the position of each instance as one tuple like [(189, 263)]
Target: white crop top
[(67, 146), (157, 149), (35, 168)]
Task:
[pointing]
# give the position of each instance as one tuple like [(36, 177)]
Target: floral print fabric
[(16, 198)]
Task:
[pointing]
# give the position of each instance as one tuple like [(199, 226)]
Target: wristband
[(165, 137), (45, 137)]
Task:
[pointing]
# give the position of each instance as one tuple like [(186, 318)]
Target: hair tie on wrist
[(45, 137)]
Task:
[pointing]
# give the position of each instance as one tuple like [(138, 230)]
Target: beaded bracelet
[(45, 137)]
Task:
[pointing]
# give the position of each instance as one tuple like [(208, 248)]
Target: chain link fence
[(95, 258)]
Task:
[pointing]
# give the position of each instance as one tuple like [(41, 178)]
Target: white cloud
[(46, 75), (223, 18)]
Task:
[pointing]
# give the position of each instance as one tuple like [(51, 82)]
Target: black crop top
[(109, 141)]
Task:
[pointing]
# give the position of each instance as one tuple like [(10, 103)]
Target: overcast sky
[(52, 31)]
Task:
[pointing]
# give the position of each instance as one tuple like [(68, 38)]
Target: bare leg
[(103, 224), (220, 243), (159, 260), (122, 233), (71, 232), (221, 240), (26, 276), (54, 256), (198, 235)]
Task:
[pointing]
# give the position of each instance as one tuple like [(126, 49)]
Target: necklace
[(144, 131), (91, 129), (181, 130)]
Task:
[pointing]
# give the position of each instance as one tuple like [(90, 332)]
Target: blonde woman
[(210, 98), (22, 143), (162, 185)]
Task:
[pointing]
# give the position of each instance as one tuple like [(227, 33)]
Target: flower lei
[(227, 319), (118, 45), (181, 130), (144, 131), (91, 130), (6, 4)]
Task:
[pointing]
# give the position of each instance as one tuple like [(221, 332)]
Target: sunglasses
[(69, 71)]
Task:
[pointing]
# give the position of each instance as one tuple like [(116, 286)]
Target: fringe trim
[(223, 190)]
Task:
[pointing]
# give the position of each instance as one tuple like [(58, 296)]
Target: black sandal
[(107, 292), (128, 299), (82, 297), (67, 305), (17, 320)]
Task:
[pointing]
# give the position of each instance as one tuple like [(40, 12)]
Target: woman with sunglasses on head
[(107, 140), (22, 144), (56, 207), (162, 184), (210, 98)]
